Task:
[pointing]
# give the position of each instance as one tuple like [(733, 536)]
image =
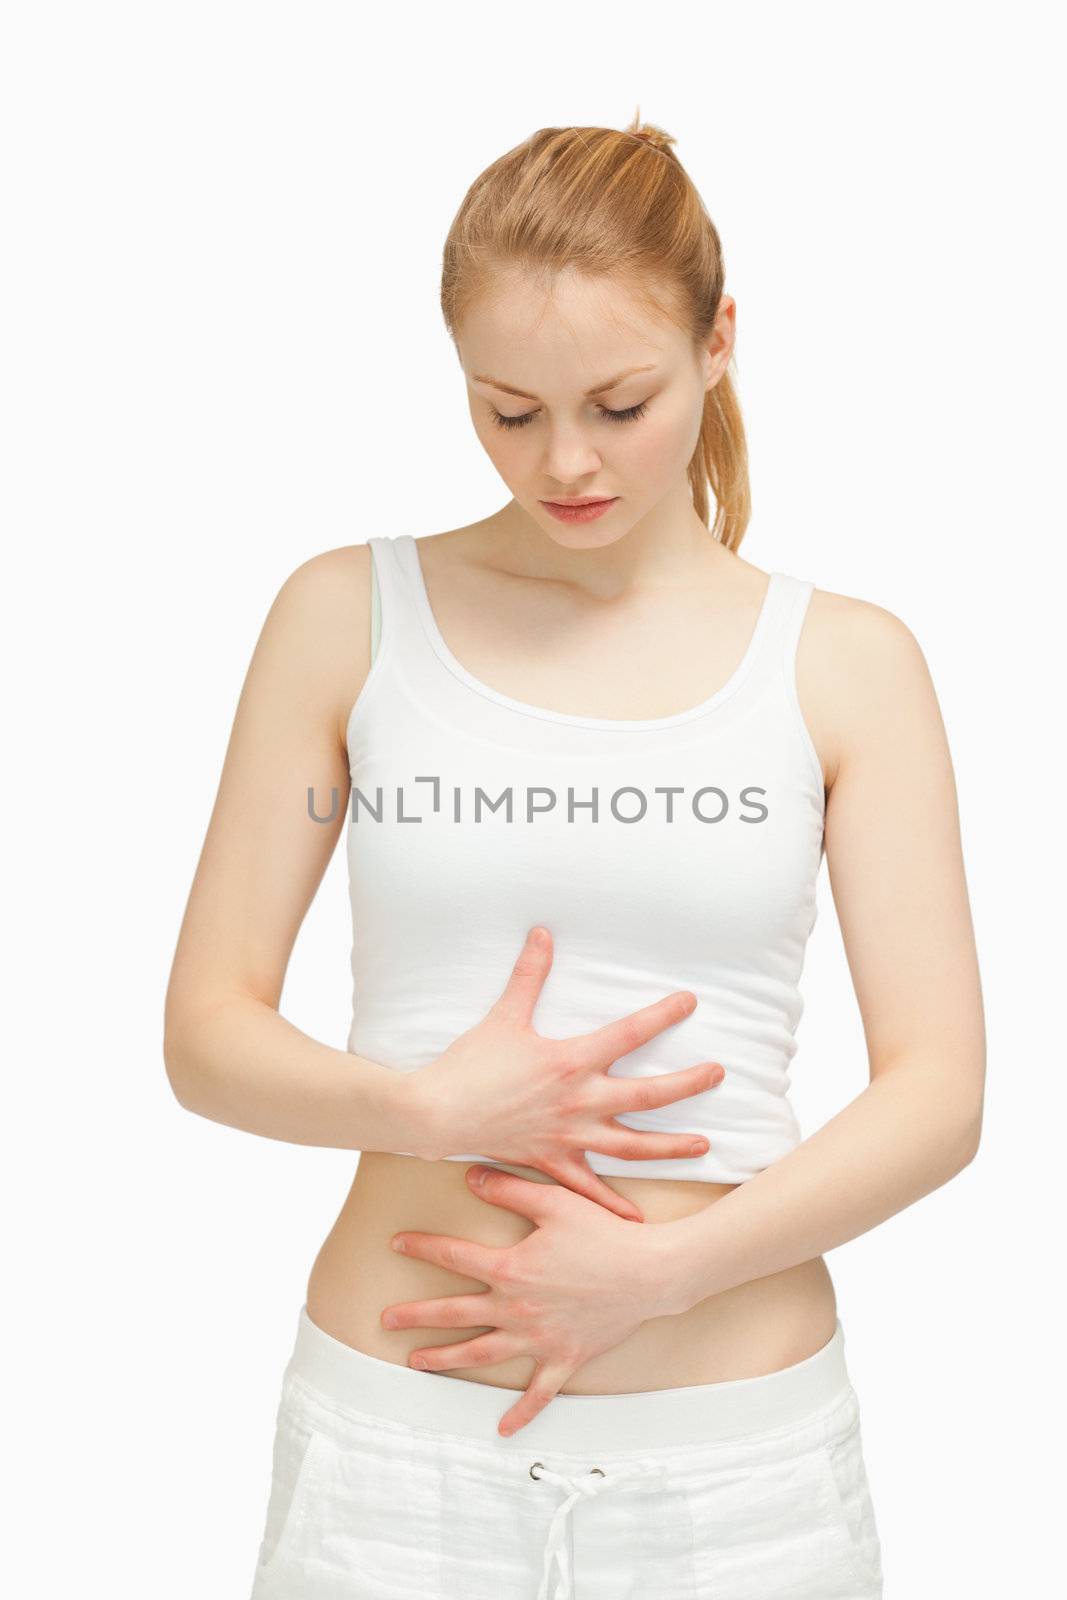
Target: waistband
[(702, 1414)]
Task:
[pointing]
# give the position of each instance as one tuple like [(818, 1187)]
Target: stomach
[(746, 1332)]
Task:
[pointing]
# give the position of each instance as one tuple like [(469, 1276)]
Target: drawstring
[(595, 1482)]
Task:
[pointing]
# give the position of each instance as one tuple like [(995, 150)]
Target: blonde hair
[(610, 204)]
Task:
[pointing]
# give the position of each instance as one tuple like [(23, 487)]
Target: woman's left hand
[(577, 1285)]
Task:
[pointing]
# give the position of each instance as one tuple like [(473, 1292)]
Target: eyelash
[(631, 414)]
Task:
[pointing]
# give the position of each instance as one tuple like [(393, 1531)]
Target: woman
[(595, 760)]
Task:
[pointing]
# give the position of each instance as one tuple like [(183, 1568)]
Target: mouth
[(584, 508), (581, 500)]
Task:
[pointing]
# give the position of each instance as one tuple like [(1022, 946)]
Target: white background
[(222, 353)]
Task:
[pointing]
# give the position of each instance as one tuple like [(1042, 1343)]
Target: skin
[(548, 1287)]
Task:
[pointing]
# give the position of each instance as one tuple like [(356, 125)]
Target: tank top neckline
[(412, 564)]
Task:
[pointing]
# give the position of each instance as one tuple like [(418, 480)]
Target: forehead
[(562, 333)]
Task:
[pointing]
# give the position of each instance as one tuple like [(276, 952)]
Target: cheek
[(659, 447), (505, 450)]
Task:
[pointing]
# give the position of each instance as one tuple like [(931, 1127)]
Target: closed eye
[(629, 415)]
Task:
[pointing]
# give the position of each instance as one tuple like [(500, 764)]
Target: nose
[(570, 457)]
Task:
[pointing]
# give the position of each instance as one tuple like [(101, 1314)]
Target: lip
[(579, 500), (580, 510)]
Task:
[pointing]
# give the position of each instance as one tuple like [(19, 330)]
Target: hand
[(513, 1096), (577, 1285)]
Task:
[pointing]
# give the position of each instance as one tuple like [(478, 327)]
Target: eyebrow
[(598, 388)]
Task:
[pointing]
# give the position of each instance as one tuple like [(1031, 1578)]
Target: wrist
[(675, 1265), (422, 1118)]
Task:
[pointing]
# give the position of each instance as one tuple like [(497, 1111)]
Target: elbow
[(176, 1066), (184, 1051), (969, 1138), (195, 1039)]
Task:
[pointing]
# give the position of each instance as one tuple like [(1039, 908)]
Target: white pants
[(392, 1484)]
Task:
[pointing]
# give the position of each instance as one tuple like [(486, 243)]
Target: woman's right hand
[(505, 1092)]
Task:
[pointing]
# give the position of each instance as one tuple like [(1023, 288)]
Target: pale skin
[(575, 1284)]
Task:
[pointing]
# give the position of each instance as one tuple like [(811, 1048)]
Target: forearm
[(239, 1062), (888, 1148)]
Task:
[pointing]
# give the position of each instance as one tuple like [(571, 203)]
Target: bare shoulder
[(321, 618), (467, 547), (859, 666)]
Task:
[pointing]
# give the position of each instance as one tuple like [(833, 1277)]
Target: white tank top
[(663, 853)]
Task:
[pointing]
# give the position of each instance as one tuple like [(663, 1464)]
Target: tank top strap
[(402, 624), (394, 619), (778, 629)]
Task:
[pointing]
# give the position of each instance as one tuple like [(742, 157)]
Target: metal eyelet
[(536, 1476)]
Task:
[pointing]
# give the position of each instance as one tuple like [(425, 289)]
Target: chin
[(577, 535)]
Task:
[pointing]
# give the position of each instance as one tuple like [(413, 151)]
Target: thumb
[(537, 1201), (523, 990)]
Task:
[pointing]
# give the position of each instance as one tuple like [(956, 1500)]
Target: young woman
[(592, 759)]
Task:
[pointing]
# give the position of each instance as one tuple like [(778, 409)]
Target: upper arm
[(264, 856), (893, 846)]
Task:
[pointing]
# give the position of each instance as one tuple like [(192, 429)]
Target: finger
[(642, 1094), (480, 1352), (447, 1311), (545, 1384), (459, 1255), (537, 1201), (618, 1038), (631, 1145), (582, 1180), (523, 989)]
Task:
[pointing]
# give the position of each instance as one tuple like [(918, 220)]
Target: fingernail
[(698, 1147), (389, 1321), (419, 1363), (398, 1244), (480, 1176)]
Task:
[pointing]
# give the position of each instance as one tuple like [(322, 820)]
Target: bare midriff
[(745, 1332)]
